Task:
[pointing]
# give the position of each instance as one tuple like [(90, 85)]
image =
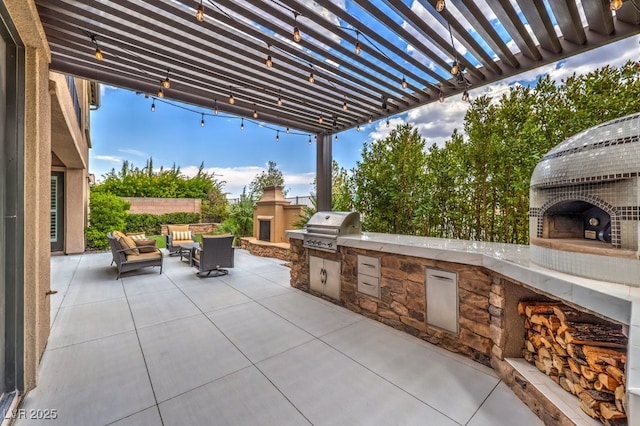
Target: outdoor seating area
[(130, 254), (177, 236), (245, 348)]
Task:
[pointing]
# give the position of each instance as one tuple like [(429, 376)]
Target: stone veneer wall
[(264, 249), (490, 328), (195, 228)]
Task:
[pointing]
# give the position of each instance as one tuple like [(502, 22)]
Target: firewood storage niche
[(584, 354)]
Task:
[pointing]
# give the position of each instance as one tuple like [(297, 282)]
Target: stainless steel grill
[(324, 228)]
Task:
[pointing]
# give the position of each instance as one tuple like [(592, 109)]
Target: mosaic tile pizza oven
[(584, 198)]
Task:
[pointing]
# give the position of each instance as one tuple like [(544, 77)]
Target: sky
[(125, 128)]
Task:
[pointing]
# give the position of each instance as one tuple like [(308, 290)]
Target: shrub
[(143, 222), (179, 218), (107, 213)]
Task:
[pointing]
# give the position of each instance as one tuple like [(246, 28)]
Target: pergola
[(368, 59)]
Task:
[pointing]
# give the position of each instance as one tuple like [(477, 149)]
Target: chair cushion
[(128, 243), (140, 242), (181, 236), (143, 256), (172, 228), (137, 235), (117, 234)]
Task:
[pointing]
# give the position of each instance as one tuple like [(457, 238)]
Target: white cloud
[(109, 158), (133, 152), (237, 178)]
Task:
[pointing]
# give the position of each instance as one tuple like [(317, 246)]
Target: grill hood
[(334, 223)]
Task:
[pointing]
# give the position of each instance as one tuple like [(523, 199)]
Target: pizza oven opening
[(577, 220)]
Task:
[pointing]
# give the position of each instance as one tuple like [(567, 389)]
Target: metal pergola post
[(323, 171)]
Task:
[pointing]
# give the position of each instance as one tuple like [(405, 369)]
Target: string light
[(357, 47), (98, 53), (344, 104), (167, 83), (202, 121), (441, 96), (336, 138), (404, 83), (387, 122), (160, 93), (232, 100), (278, 136), (320, 119), (268, 62), (465, 96), (358, 128), (311, 79), (440, 5), (315, 138), (309, 140), (279, 99), (288, 130), (216, 111), (296, 32), (615, 4), (255, 113), (370, 119), (242, 124), (153, 106), (200, 12), (455, 68)]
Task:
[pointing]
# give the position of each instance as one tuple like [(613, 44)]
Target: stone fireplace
[(273, 214), (584, 204)]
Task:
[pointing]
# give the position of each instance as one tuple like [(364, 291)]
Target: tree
[(239, 222), (270, 177), (390, 182)]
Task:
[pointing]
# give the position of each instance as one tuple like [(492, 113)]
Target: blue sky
[(125, 128)]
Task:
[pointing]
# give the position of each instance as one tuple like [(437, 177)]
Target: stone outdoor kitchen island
[(464, 295)]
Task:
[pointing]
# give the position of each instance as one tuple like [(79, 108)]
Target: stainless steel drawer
[(368, 265), (369, 285)]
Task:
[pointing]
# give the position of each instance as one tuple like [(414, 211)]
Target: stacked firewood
[(584, 354)]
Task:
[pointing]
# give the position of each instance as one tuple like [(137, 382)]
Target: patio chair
[(177, 235), (216, 252), (128, 257)]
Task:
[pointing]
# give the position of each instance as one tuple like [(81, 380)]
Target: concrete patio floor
[(242, 349)]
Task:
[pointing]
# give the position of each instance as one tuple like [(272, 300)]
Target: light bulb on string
[(311, 78), (441, 96), (455, 68), (232, 100), (202, 120), (166, 83), (200, 12), (279, 101), (440, 5), (315, 138), (370, 119), (320, 119), (269, 62), (255, 111), (98, 53), (404, 83), (344, 104), (160, 93), (309, 140), (153, 106), (216, 111), (465, 96), (387, 122), (296, 31), (242, 124), (336, 138), (288, 130), (278, 136), (615, 4)]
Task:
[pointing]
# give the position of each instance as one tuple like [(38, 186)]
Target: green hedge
[(150, 223), (108, 212)]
